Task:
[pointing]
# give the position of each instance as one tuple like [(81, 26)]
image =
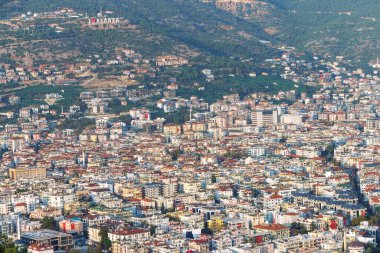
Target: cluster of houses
[(284, 172), (242, 175)]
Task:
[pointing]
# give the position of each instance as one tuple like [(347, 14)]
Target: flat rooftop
[(43, 234)]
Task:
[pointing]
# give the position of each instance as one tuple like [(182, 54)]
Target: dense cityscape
[(117, 152)]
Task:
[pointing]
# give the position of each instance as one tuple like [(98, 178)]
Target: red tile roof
[(272, 227)]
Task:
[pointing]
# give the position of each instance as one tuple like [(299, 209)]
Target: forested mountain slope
[(349, 28), (190, 22), (228, 28)]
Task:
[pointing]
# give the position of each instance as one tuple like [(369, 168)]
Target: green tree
[(213, 178), (329, 152), (105, 242), (114, 102), (175, 154), (127, 119), (79, 125), (48, 223), (374, 220), (7, 245), (96, 249), (173, 218), (21, 190), (74, 251), (22, 250), (163, 209), (297, 228), (206, 229), (370, 248), (356, 221), (10, 250), (236, 154), (152, 230), (313, 226), (83, 106), (70, 76)]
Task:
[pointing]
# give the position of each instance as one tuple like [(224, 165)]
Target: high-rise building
[(264, 117)]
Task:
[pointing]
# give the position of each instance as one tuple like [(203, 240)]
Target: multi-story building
[(59, 200), (59, 240), (264, 117), (169, 187), (5, 208), (27, 173), (25, 112), (170, 60), (7, 227), (272, 201), (134, 234), (313, 242), (71, 226), (291, 119), (152, 190), (256, 151), (92, 220), (172, 129), (40, 248), (278, 231), (372, 124), (124, 246)]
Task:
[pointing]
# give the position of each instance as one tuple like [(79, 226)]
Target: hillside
[(332, 27), (172, 23), (232, 27), (200, 29)]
